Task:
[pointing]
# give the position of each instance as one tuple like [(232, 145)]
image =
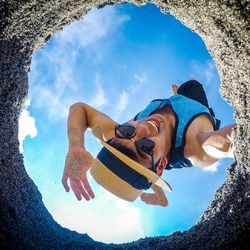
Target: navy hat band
[(122, 170)]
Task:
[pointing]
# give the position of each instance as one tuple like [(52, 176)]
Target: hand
[(174, 89), (156, 198), (78, 162), (152, 199)]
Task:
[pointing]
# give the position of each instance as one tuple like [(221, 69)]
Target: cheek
[(159, 147)]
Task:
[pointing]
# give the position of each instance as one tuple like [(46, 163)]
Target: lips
[(158, 123), (155, 122)]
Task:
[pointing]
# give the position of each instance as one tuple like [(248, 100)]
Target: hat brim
[(150, 175)]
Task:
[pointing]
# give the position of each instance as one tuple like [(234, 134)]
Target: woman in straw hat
[(177, 132)]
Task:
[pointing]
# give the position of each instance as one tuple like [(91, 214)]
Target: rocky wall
[(26, 26)]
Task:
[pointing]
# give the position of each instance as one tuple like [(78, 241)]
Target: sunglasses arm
[(153, 167)]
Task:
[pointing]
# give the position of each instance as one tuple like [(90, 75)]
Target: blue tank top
[(185, 111)]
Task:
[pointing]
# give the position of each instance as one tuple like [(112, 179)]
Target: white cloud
[(52, 102), (54, 91), (210, 71), (207, 71), (59, 87), (106, 218), (123, 101), (125, 96), (212, 168), (94, 26), (140, 80), (121, 105), (141, 77), (56, 100), (27, 126), (99, 98)]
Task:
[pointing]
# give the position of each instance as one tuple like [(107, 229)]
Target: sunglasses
[(145, 144)]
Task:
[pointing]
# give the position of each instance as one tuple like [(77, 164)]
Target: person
[(178, 132)]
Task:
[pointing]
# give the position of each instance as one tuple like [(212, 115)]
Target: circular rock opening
[(124, 57), (23, 33)]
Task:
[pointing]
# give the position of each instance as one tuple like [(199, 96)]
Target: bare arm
[(219, 143), (82, 116), (78, 160)]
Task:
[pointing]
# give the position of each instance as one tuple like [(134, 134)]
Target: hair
[(123, 149)]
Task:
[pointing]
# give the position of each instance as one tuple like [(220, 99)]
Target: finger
[(142, 196), (164, 203), (145, 198), (150, 199), (174, 87), (87, 187), (83, 192), (75, 189), (65, 182)]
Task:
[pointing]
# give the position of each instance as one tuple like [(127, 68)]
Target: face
[(153, 127)]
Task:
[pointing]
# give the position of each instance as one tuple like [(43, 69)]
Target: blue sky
[(116, 59)]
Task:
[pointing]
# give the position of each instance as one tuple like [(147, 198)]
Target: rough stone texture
[(25, 27)]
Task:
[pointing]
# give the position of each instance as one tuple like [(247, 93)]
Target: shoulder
[(193, 149)]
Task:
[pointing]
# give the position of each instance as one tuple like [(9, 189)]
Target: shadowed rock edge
[(25, 27)]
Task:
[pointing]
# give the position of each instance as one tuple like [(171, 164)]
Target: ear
[(161, 165)]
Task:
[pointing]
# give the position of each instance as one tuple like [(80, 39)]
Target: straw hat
[(123, 176)]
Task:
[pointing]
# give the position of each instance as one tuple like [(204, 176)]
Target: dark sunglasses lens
[(146, 145), (126, 130)]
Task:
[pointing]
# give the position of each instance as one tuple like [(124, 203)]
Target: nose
[(142, 130)]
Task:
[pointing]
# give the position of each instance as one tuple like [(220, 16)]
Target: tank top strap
[(152, 107), (186, 110)]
